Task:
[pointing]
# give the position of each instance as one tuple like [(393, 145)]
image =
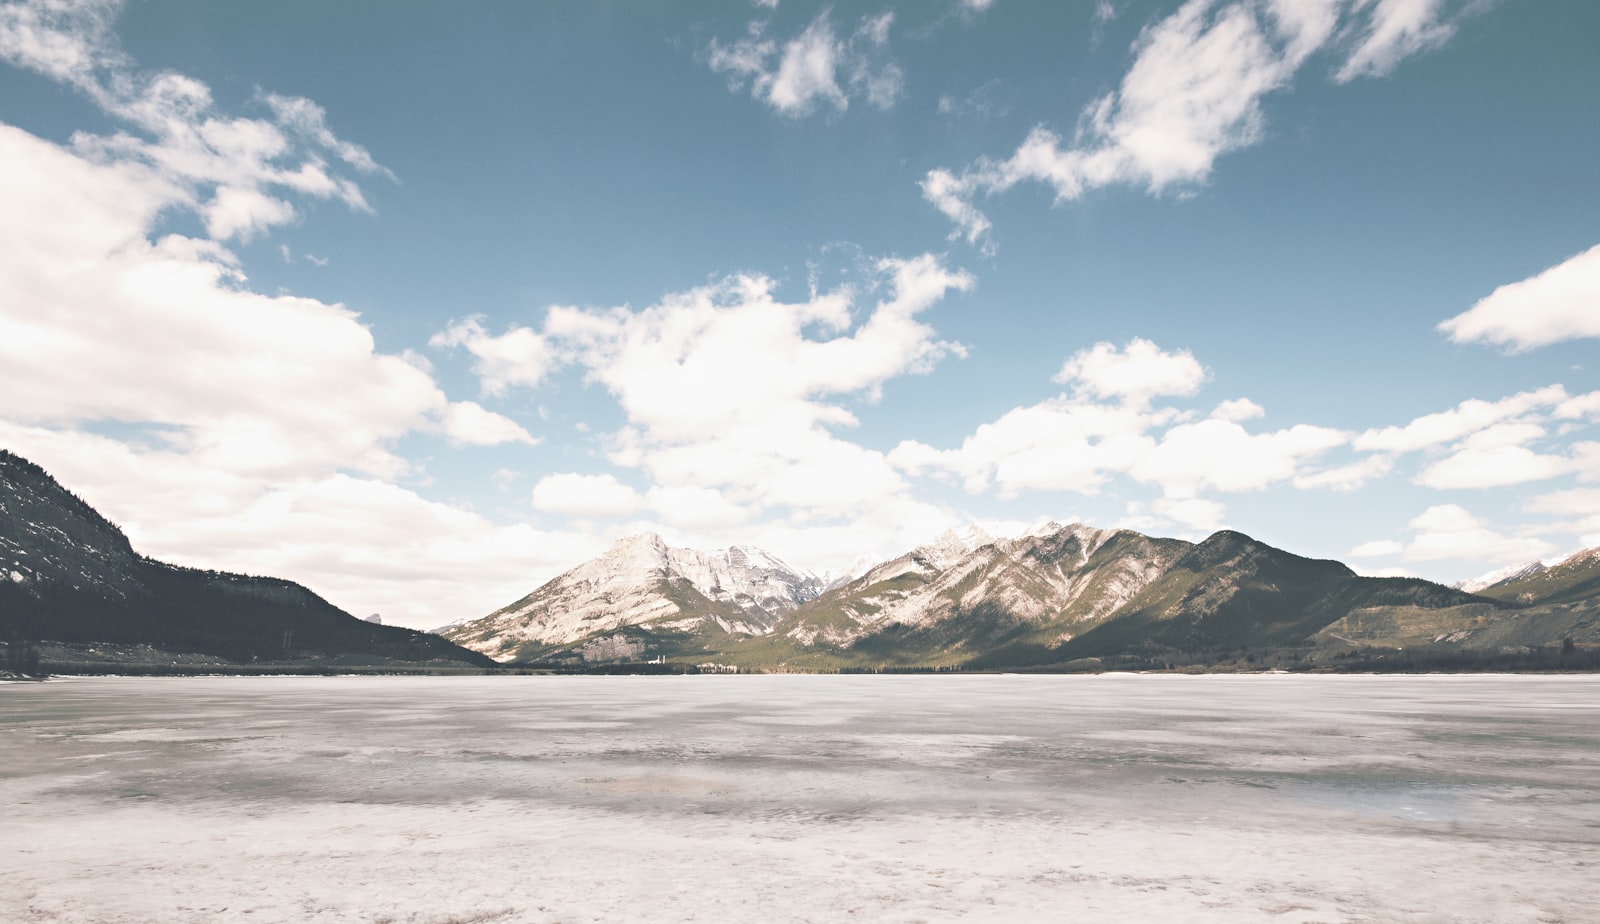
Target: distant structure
[(375, 619)]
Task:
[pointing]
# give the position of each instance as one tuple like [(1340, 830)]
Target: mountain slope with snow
[(642, 582), (1558, 580)]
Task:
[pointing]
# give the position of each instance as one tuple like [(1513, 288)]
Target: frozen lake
[(912, 798)]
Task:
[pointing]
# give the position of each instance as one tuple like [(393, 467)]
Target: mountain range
[(1058, 595), (70, 577)]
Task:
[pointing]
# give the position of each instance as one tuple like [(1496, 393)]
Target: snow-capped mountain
[(1045, 594), (641, 581), (1502, 575), (1564, 579), (1050, 573)]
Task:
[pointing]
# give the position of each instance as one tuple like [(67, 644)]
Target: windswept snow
[(993, 798)]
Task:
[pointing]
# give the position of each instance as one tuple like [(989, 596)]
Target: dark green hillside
[(68, 575), (1231, 592)]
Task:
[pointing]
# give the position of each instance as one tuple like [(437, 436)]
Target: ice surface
[(982, 798)]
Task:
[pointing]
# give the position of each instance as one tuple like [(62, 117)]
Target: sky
[(422, 304)]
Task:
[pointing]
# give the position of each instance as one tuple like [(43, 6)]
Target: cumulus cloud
[(1378, 548), (585, 495), (1576, 512), (519, 357), (1193, 93), (101, 323), (733, 397), (1561, 303), (1198, 516), (364, 543), (1239, 410), (256, 432), (1449, 531), (1222, 455), (467, 423), (1107, 427), (816, 68), (1492, 466), (1135, 374)]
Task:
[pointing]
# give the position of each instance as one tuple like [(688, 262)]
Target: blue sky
[(422, 304)]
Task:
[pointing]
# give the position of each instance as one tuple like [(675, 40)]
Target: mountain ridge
[(69, 575), (1064, 593)]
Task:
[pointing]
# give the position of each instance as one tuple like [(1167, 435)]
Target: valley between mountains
[(1058, 597)]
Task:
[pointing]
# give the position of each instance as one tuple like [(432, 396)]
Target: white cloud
[(727, 356), (1077, 443), (235, 173), (1239, 410), (1448, 531), (1487, 441), (366, 545), (1377, 548), (1577, 512), (815, 68), (1062, 444), (1561, 303), (585, 496), (468, 423), (519, 357), (1463, 420), (1193, 93), (733, 399), (1394, 31), (1492, 467), (1136, 374), (1346, 477), (256, 433), (101, 324), (1197, 515), (1221, 455)]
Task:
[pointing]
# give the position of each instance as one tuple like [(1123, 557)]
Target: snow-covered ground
[(989, 798)]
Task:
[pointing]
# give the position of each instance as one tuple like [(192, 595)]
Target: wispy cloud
[(237, 174), (1193, 93), (815, 69)]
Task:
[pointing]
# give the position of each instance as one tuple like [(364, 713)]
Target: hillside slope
[(68, 575)]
